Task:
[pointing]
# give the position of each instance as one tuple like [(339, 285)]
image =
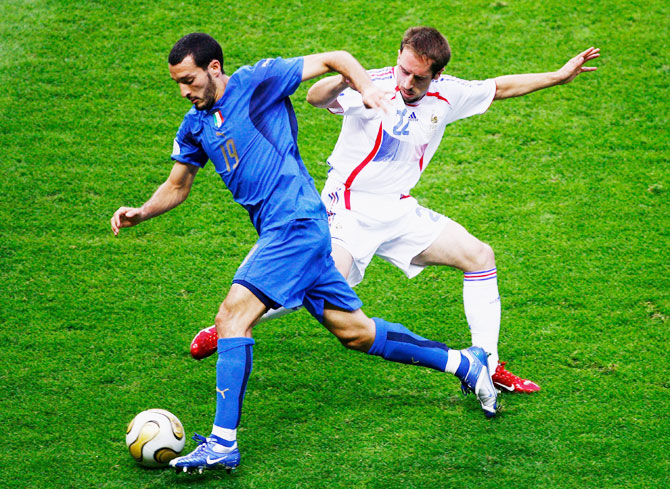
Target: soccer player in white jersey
[(380, 157)]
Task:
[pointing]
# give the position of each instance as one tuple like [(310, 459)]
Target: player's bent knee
[(227, 326), (361, 342), (485, 257), (353, 329), (356, 336)]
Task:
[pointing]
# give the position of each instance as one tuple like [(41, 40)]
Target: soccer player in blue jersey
[(244, 123), (379, 158)]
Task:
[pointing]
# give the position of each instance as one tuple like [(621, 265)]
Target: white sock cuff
[(453, 361), (224, 433)]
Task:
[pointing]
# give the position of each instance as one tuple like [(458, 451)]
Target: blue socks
[(232, 373), (393, 342), (396, 343)]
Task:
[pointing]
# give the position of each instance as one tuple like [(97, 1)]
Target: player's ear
[(214, 67), (438, 74)]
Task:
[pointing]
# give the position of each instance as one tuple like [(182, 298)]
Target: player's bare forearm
[(169, 195), (346, 65), (166, 197), (172, 192), (509, 86), (324, 92), (339, 61), (517, 85)]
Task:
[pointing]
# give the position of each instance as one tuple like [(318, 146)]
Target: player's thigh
[(343, 259), (353, 328), (238, 312), (456, 247)]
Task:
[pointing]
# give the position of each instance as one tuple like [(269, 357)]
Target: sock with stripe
[(232, 373), (481, 302), (396, 343)]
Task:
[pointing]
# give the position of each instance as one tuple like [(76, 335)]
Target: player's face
[(413, 75), (195, 84)]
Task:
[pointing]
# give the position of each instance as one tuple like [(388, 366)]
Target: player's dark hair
[(428, 43), (203, 47)]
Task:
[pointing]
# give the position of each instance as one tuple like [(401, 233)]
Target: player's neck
[(221, 86), (414, 101)]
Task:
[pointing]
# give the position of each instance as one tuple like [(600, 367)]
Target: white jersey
[(385, 154)]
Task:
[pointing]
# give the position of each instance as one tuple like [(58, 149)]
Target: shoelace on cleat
[(202, 443), (199, 439)]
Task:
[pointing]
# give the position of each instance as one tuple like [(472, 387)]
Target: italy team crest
[(218, 118)]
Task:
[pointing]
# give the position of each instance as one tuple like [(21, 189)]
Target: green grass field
[(570, 186)]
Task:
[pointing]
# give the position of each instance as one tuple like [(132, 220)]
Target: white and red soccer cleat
[(204, 343), (506, 380)]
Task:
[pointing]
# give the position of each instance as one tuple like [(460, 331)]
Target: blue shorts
[(291, 265)]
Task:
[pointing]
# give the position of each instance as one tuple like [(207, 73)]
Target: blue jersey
[(250, 135)]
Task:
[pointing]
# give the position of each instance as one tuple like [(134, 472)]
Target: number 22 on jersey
[(399, 129)]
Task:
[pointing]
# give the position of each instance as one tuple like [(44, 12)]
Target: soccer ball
[(154, 437)]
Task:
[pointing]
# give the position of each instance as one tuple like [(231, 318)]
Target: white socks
[(481, 301)]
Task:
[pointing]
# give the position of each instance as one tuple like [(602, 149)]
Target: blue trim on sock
[(221, 441), (481, 271), (247, 372), (381, 329), (405, 338), (396, 343)]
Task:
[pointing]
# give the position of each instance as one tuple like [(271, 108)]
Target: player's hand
[(125, 217), (376, 98), (576, 65)]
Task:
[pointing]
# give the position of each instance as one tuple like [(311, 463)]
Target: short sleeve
[(279, 77), (473, 97), (351, 104), (186, 149)]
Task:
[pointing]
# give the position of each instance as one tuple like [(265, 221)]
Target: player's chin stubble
[(208, 98)]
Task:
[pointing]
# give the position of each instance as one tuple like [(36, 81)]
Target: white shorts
[(393, 228)]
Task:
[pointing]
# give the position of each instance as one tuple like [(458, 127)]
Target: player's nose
[(184, 90)]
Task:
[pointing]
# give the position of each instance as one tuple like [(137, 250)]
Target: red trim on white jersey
[(359, 168), (437, 94), (428, 94)]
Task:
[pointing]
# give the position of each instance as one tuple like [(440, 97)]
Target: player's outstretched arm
[(346, 65), (517, 85), (324, 93), (168, 196)]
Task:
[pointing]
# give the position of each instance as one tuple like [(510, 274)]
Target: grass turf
[(569, 185)]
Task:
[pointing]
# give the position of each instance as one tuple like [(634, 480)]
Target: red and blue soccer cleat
[(505, 380)]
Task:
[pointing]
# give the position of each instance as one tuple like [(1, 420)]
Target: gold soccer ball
[(154, 437)]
